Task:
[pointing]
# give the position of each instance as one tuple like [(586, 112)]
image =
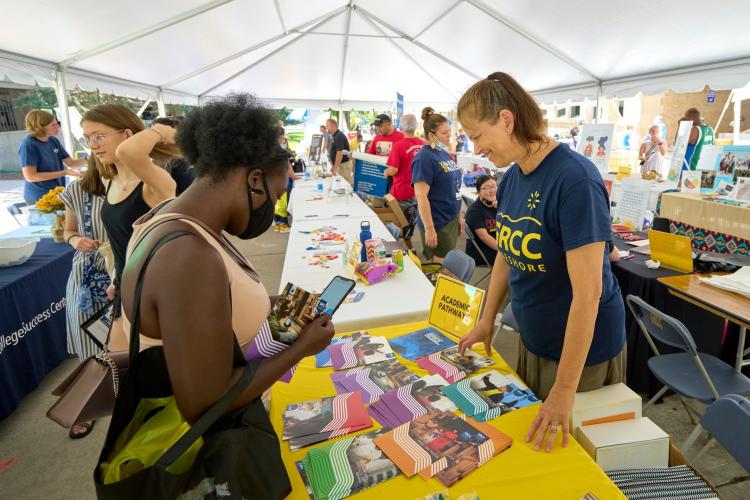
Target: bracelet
[(157, 133), (71, 236)]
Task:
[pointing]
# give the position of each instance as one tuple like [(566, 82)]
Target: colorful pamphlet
[(420, 343), (323, 358), (348, 466), (451, 365), (490, 395), (442, 444), (364, 351), (410, 401), (313, 421), (373, 380), (264, 346)]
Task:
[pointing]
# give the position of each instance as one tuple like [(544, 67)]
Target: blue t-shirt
[(46, 156), (560, 206), (440, 172)]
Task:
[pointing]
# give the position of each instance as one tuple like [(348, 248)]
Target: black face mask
[(260, 219)]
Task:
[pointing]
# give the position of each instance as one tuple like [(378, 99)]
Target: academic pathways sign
[(455, 306), (369, 174)]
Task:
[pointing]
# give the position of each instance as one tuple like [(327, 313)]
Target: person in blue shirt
[(552, 231), (44, 161), (437, 179)]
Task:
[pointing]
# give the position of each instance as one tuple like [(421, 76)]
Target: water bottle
[(364, 235)]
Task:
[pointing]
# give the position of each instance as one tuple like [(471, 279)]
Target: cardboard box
[(676, 458), (610, 403), (627, 444)]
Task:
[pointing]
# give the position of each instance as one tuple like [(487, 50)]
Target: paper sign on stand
[(733, 161), (709, 154), (680, 146), (742, 189), (353, 254), (369, 174), (596, 144), (631, 209), (691, 182), (455, 306)]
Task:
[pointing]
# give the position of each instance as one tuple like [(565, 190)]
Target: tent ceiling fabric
[(293, 51)]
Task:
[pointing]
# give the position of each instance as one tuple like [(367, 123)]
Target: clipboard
[(97, 327)]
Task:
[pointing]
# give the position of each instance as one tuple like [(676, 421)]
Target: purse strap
[(217, 410)]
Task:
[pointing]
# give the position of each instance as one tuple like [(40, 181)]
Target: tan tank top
[(244, 287)]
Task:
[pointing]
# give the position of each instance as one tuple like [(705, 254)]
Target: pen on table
[(629, 256)]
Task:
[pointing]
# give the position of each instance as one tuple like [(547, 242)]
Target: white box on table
[(609, 401), (628, 444)]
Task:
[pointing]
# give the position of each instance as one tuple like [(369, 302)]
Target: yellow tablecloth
[(519, 472)]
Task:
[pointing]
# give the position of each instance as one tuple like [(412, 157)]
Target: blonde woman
[(44, 161)]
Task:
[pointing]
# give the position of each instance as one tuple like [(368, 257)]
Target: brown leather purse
[(89, 392)]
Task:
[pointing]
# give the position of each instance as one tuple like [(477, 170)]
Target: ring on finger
[(554, 428)]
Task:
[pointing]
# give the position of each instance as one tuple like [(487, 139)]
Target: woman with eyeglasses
[(44, 161), (480, 217), (123, 148)]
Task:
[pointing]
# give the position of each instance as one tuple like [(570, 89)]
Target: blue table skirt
[(32, 321)]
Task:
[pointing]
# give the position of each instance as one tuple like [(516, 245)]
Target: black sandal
[(87, 429)]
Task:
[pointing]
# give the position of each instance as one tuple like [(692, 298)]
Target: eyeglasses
[(88, 141), (488, 188)]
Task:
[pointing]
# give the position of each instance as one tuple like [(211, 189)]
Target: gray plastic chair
[(726, 421), (14, 209), (690, 374), (508, 318), (471, 237), (461, 265)]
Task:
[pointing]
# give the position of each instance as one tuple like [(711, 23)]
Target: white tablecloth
[(402, 298), (309, 203)]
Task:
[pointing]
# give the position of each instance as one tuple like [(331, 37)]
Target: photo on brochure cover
[(502, 391), (308, 417), (443, 434), (427, 392), (387, 375), (469, 362), (369, 465), (294, 309)]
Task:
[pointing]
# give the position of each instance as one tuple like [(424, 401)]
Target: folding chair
[(690, 374), (15, 210), (727, 421), (460, 265), (471, 237)]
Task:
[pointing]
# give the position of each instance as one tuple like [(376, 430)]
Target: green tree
[(37, 98)]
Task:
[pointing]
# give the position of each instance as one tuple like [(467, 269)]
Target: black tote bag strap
[(135, 341), (208, 418)]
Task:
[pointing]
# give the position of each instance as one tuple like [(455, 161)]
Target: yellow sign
[(455, 306), (352, 257), (672, 250)]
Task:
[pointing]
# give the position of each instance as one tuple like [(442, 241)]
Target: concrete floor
[(38, 460)]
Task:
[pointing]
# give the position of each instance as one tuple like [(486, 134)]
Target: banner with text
[(369, 175)]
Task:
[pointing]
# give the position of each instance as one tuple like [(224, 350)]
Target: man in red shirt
[(385, 139), (399, 167)]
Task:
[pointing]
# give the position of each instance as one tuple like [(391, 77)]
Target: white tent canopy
[(334, 53)]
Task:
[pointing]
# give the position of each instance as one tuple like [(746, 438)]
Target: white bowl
[(16, 251)]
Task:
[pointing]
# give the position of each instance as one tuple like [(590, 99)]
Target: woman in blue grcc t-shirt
[(41, 156), (436, 180), (552, 228)]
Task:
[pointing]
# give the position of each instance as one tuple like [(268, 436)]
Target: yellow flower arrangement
[(51, 203)]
